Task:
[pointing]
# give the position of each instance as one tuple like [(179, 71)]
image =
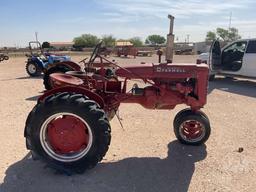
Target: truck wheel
[(191, 128), (57, 69), (33, 69), (211, 77), (69, 132)]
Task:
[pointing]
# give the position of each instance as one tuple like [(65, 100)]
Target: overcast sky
[(61, 20)]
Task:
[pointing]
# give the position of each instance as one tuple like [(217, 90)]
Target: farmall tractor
[(69, 127)]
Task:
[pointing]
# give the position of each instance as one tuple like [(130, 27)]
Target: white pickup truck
[(235, 59)]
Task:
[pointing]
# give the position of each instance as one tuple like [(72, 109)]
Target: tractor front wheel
[(192, 128), (69, 132), (33, 69)]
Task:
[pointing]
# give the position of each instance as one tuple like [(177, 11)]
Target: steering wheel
[(95, 52)]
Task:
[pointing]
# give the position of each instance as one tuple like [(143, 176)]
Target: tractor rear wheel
[(33, 69), (69, 132), (192, 128), (56, 69)]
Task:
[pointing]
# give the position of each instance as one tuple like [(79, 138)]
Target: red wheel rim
[(67, 134), (66, 137), (192, 130)]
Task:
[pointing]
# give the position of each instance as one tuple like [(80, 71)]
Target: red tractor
[(69, 127)]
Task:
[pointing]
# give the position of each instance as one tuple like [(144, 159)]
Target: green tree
[(155, 40), (223, 34), (86, 40), (210, 36), (233, 34), (136, 41), (109, 40)]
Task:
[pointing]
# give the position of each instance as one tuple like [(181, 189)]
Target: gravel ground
[(144, 156)]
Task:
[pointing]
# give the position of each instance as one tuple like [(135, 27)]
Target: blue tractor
[(39, 62)]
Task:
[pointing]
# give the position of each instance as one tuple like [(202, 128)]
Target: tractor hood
[(152, 71)]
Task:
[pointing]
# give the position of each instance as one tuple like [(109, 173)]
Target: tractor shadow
[(173, 173), (28, 77), (232, 85), (34, 98), (22, 78)]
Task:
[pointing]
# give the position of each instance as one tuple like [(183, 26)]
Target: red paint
[(168, 86), (192, 129), (67, 134), (60, 80)]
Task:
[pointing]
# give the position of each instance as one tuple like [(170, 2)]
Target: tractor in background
[(69, 126), (39, 62)]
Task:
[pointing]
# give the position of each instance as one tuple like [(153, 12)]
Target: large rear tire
[(33, 69), (69, 132), (56, 69)]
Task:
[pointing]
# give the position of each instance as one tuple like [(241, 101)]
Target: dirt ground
[(143, 157)]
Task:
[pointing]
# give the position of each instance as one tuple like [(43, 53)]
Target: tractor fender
[(91, 95), (70, 64)]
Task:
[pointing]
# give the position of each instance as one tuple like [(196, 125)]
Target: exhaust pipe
[(170, 41)]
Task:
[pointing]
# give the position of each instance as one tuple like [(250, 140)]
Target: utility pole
[(36, 34), (230, 20)]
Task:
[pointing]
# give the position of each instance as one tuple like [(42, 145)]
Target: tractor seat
[(60, 79)]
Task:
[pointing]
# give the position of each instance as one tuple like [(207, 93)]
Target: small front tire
[(192, 128)]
